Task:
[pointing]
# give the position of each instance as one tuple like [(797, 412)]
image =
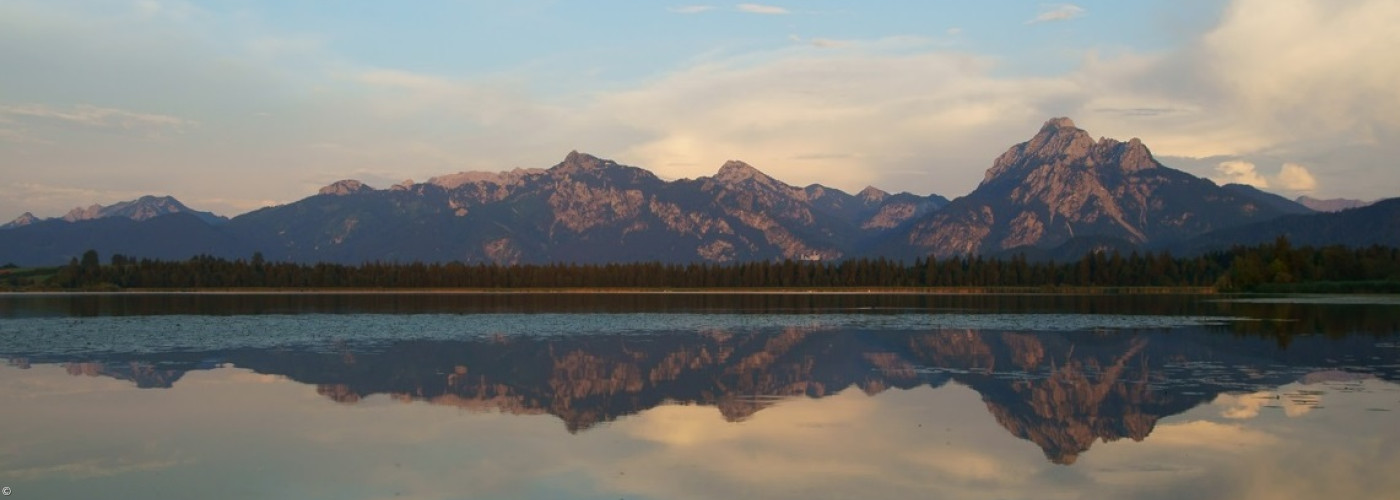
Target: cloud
[(1295, 177), (95, 116), (68, 195), (940, 114), (754, 8), (1059, 12), (825, 43), (1291, 176), (1208, 435), (1247, 406), (1239, 172), (1297, 68), (87, 468), (691, 9)]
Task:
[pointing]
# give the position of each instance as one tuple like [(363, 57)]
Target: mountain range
[(141, 209), (1059, 193)]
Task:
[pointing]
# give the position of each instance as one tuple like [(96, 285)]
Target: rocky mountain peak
[(1058, 141), (345, 187), (1059, 123), (1059, 136), (872, 194), (582, 162), (735, 171), (1131, 156), (23, 220), (1063, 186), (79, 213), (147, 207)]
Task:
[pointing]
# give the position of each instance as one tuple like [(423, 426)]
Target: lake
[(662, 396)]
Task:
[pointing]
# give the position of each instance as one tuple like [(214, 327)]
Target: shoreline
[(1106, 290)]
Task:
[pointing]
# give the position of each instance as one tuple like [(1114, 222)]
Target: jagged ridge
[(1062, 185)]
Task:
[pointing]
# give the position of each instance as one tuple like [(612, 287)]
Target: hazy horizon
[(231, 106)]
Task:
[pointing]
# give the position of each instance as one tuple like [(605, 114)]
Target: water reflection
[(1294, 400), (1063, 391)]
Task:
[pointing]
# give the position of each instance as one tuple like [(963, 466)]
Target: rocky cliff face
[(1062, 184)]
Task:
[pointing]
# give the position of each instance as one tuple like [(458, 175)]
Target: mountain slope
[(24, 219), (1374, 224), (1062, 184), (140, 209), (176, 236), (1271, 200)]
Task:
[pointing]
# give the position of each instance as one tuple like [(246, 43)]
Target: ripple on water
[(110, 334)]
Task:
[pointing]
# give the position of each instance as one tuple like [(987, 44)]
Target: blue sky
[(232, 105)]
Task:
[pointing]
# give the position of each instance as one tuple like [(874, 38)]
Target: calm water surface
[(347, 396)]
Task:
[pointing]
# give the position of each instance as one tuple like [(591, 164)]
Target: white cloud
[(1058, 12), (1208, 435), (1247, 406), (1297, 68), (1295, 177), (940, 114), (691, 9), (1290, 177), (1239, 172), (96, 116), (754, 8), (825, 43)]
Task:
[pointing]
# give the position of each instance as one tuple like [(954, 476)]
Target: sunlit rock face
[(585, 209), (24, 219), (1062, 185)]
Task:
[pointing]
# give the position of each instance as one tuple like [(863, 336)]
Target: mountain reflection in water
[(1061, 390), (664, 396)]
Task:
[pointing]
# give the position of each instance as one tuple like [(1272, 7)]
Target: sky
[(235, 105)]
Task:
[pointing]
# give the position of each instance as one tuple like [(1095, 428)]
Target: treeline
[(1237, 269)]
